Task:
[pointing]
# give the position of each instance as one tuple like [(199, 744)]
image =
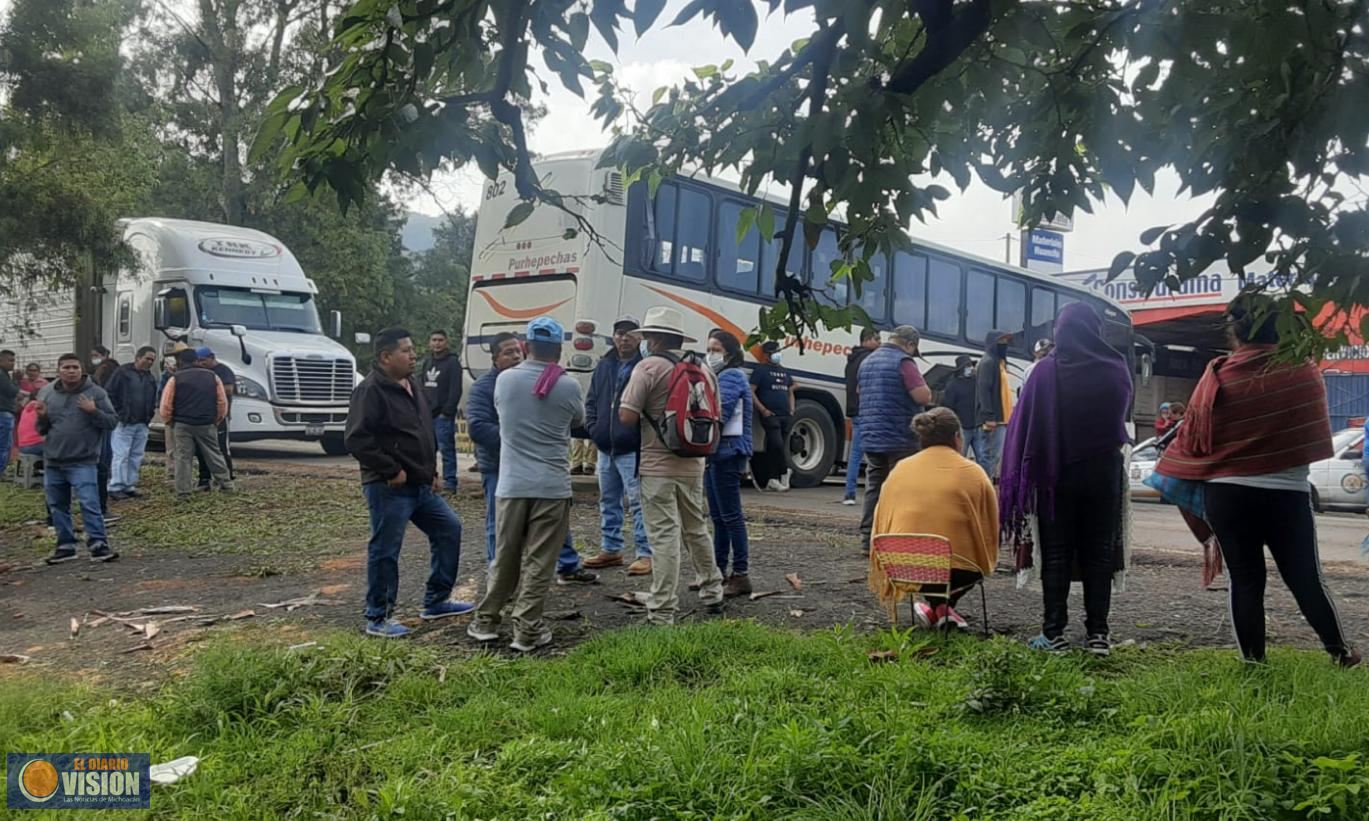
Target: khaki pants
[(583, 454), (676, 525), (205, 439), (169, 442), (528, 535)]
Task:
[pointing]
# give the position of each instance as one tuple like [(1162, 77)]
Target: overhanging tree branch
[(946, 41)]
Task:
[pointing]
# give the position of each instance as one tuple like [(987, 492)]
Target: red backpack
[(692, 423)]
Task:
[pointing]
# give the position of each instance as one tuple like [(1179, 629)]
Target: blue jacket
[(887, 410), (601, 419), (734, 387), (482, 422)]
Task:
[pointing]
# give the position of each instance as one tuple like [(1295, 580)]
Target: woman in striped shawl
[(1253, 427)]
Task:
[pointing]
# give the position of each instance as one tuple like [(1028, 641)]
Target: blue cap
[(546, 329), (203, 352)]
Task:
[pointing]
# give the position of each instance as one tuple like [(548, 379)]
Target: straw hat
[(663, 320)]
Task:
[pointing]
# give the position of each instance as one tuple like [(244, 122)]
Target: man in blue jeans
[(482, 425), (74, 416), (390, 434), (133, 393), (869, 341), (441, 374), (9, 396), (618, 445)]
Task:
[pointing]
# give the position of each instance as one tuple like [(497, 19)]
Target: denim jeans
[(853, 460), (988, 448), (6, 439), (392, 509), (58, 483), (617, 479), (444, 428), (127, 444), (568, 561), (722, 482)]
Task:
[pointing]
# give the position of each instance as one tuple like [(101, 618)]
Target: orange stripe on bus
[(520, 313), (723, 322)]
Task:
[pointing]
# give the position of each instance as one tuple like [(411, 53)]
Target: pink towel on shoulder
[(547, 380)]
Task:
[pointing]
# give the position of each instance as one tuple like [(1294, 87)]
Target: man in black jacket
[(618, 445), (133, 393), (869, 341), (390, 434), (993, 401), (959, 397), (441, 374)]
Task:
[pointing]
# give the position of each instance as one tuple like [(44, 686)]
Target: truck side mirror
[(171, 311), (240, 331), (1147, 368), (335, 330), (362, 338)]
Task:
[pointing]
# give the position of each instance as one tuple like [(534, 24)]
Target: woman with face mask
[(722, 479)]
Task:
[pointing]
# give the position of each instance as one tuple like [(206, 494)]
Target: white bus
[(681, 250)]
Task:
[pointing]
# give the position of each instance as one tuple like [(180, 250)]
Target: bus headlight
[(251, 389)]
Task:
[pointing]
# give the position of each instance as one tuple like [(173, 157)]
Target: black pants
[(1082, 532), (774, 462), (1245, 520), (878, 466), (223, 448)]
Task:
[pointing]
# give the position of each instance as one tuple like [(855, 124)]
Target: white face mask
[(95, 360), (967, 371), (644, 348), (715, 360), (776, 358)]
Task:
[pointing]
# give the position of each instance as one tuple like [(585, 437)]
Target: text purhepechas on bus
[(681, 250)]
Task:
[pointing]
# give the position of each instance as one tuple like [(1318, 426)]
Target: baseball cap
[(545, 329), (906, 333), (203, 352), (632, 322), (1042, 344)]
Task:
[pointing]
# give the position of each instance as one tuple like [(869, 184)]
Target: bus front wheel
[(813, 444)]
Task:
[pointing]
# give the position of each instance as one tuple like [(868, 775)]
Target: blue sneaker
[(1059, 644), (386, 629), (447, 608)]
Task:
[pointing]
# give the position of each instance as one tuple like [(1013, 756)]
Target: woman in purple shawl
[(1063, 465)]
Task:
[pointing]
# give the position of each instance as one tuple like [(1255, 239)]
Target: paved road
[(1155, 526)]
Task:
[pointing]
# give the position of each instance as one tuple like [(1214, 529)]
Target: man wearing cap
[(538, 403), (482, 424), (193, 404), (672, 487), (390, 434), (617, 445), (230, 384), (892, 392)]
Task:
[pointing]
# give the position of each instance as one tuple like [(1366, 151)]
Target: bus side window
[(694, 221), (943, 297), (738, 265), (910, 289), (771, 253), (978, 305), (664, 258), (820, 261), (1010, 310), (1043, 315), (874, 294)]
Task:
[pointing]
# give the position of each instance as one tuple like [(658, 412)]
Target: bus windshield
[(224, 307)]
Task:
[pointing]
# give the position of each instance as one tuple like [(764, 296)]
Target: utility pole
[(1007, 248)]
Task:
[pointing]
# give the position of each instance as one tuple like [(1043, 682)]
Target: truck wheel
[(813, 444), (1316, 499), (333, 445)]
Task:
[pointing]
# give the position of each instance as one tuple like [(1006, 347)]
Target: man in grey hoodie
[(74, 416)]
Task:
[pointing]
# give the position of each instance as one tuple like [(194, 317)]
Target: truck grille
[(311, 380)]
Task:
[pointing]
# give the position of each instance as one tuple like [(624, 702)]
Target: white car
[(1337, 483)]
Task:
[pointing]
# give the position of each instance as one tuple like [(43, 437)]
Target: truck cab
[(241, 293)]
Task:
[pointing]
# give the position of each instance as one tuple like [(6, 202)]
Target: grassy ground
[(730, 720)]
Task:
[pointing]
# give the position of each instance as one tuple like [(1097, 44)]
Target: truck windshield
[(223, 307)]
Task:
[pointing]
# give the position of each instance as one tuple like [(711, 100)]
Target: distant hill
[(418, 232)]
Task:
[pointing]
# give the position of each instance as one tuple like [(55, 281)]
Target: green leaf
[(745, 220), (658, 94), (266, 136), (519, 214), (704, 72), (799, 44), (1119, 264), (1151, 234), (644, 14), (577, 26)]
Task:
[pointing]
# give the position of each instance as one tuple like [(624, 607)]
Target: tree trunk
[(225, 43)]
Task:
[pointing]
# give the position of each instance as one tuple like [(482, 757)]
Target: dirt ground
[(1163, 601)]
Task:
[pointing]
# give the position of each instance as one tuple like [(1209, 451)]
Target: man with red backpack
[(674, 399)]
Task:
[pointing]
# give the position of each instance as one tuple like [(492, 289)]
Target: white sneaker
[(528, 645), (775, 487), (784, 483), (849, 501), (480, 635)]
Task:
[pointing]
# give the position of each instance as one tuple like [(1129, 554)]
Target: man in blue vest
[(892, 391)]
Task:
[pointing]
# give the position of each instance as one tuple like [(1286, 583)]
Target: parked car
[(1143, 459), (1337, 483)]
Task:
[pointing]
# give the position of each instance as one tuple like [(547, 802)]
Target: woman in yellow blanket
[(940, 492)]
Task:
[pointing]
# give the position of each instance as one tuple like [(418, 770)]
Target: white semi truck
[(238, 291)]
